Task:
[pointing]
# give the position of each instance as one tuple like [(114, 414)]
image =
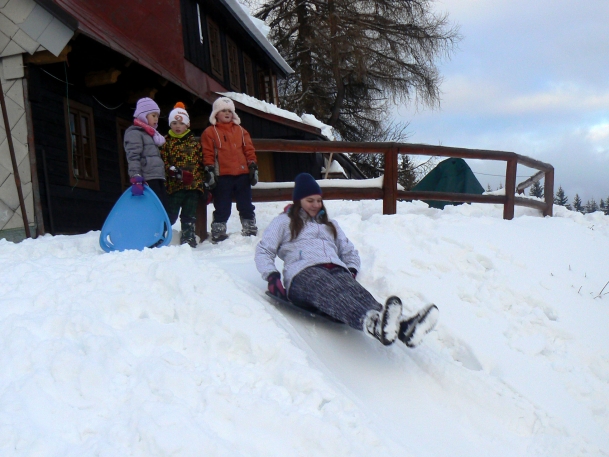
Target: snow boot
[(385, 324), (218, 232), (248, 227), (413, 329), (188, 234)]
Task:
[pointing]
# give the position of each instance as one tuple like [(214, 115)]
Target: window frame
[(215, 49), (248, 72), (234, 70), (80, 112)]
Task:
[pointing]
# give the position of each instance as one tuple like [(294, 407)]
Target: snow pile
[(175, 351)]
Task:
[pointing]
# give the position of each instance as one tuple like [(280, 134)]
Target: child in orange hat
[(185, 172)]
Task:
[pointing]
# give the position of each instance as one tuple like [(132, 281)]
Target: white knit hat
[(179, 114), (221, 104)]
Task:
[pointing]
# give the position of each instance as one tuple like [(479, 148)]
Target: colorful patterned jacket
[(183, 152)]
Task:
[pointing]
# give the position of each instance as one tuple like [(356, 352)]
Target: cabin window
[(82, 155), (248, 69), (268, 87), (215, 49), (233, 65)]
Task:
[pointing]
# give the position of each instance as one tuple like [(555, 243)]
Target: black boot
[(385, 324), (414, 328), (188, 234), (218, 232), (248, 227)]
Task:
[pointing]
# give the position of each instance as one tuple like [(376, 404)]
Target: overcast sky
[(532, 77)]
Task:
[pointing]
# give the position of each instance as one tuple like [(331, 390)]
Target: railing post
[(390, 181), (548, 191), (510, 189)]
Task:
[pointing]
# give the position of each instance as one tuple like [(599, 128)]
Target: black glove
[(275, 286), (253, 173), (210, 177), (353, 272)]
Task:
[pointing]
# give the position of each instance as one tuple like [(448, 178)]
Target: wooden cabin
[(72, 71)]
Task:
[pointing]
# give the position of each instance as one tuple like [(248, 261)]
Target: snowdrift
[(177, 352)]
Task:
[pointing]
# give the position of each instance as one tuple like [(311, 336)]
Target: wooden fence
[(390, 194)]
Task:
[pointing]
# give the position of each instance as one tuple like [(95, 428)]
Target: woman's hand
[(275, 285)]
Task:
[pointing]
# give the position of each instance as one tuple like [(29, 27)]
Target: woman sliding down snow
[(320, 266)]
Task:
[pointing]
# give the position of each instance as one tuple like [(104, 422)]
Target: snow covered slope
[(176, 352)]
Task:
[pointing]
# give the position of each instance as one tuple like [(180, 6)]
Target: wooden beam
[(45, 57), (102, 78), (390, 182), (548, 190), (510, 189)]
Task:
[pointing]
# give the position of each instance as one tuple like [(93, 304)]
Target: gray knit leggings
[(335, 292)]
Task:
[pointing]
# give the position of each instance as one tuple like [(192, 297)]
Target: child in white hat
[(230, 158)]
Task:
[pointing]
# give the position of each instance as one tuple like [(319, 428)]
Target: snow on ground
[(176, 352)]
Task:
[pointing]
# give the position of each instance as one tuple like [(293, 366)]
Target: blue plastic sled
[(136, 222)]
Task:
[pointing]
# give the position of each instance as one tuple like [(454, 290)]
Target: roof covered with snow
[(270, 108), (242, 15)]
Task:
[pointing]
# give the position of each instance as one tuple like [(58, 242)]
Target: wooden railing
[(389, 192)]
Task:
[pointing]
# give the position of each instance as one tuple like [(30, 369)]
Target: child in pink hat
[(142, 142)]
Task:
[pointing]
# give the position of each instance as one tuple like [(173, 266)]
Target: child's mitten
[(137, 185), (275, 286), (210, 179)]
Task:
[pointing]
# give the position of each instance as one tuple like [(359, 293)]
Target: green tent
[(450, 175)]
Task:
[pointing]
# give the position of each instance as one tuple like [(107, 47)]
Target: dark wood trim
[(121, 126), (31, 146)]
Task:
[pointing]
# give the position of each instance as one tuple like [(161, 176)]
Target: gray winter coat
[(314, 245), (143, 156)]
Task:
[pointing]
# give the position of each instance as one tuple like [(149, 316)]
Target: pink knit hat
[(221, 104), (144, 107)]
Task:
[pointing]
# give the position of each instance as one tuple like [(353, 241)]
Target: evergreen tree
[(488, 188), (606, 207), (560, 198), (577, 204), (591, 206), (354, 59), (536, 190)]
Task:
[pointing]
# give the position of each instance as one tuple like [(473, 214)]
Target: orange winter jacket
[(234, 145)]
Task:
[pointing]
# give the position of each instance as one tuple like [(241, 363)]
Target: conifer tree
[(488, 188), (353, 59), (591, 206), (577, 204), (606, 207), (560, 198), (601, 205), (536, 190)]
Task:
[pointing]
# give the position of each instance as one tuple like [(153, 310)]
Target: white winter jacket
[(314, 245)]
